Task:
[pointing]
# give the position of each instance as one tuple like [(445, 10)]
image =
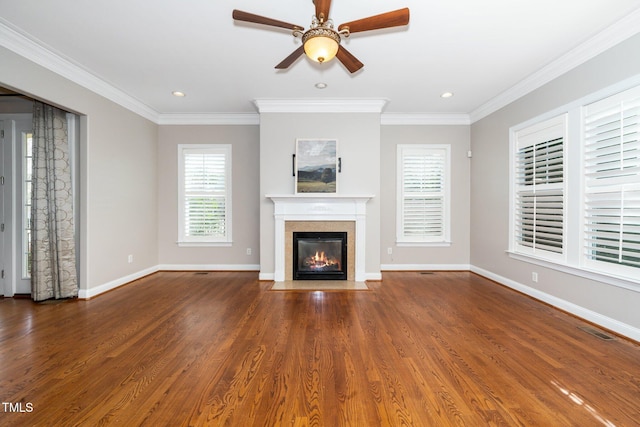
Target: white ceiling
[(482, 51)]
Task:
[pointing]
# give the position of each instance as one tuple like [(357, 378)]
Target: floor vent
[(427, 272), (200, 273), (596, 333)]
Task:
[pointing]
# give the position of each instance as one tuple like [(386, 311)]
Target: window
[(204, 215), (423, 194), (612, 183), (538, 215), (575, 179), (27, 164)]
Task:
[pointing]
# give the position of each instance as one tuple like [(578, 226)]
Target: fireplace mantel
[(319, 207)]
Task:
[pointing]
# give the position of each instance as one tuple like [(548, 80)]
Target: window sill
[(619, 281), (204, 244), (424, 244)]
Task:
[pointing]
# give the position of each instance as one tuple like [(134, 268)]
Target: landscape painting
[(316, 161)]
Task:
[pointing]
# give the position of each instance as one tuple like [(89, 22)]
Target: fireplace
[(319, 255), (318, 212)]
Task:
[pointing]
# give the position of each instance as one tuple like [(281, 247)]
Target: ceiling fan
[(321, 42)]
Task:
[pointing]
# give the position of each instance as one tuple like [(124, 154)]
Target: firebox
[(319, 255)]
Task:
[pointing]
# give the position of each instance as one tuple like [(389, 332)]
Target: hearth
[(319, 255)]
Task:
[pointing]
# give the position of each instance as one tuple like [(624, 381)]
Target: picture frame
[(316, 166)]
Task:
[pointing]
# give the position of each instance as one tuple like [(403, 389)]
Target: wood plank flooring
[(220, 349)]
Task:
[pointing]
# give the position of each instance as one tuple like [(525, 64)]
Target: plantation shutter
[(423, 204), (539, 183), (612, 181), (205, 195)]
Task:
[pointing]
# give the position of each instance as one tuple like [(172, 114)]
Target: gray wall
[(245, 197), (455, 256), (612, 306)]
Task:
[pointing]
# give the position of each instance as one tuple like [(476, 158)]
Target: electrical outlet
[(389, 251), (130, 259), (248, 251), (534, 277)]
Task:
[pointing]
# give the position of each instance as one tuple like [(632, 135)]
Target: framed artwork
[(316, 164)]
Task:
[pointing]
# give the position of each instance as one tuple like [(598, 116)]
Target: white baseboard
[(584, 313), (373, 276), (266, 276), (97, 290), (425, 267)]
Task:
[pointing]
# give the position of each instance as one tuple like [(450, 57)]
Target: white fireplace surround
[(320, 207)]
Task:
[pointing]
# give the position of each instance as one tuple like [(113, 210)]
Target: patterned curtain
[(53, 259)]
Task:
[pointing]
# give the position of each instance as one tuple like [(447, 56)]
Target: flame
[(321, 260)]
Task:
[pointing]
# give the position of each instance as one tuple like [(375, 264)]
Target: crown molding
[(627, 27), (209, 119), (401, 119), (320, 105), (34, 51), (389, 119)]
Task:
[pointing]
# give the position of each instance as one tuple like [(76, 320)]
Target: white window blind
[(205, 190), (423, 206), (612, 183), (539, 225)]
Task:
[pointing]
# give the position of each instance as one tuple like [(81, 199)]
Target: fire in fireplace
[(319, 256)]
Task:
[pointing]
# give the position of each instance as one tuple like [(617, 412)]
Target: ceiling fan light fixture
[(321, 44)]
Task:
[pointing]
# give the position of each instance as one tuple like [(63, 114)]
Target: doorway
[(16, 139), (15, 189)]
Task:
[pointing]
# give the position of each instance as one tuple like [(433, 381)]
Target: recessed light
[(446, 95), (321, 85), (178, 93)]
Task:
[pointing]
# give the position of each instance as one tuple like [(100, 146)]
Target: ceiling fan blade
[(348, 60), (385, 20), (286, 62), (257, 19), (322, 9)]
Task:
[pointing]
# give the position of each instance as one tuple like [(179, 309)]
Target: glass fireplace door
[(319, 256)]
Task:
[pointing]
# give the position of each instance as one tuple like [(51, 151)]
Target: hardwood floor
[(177, 349)]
